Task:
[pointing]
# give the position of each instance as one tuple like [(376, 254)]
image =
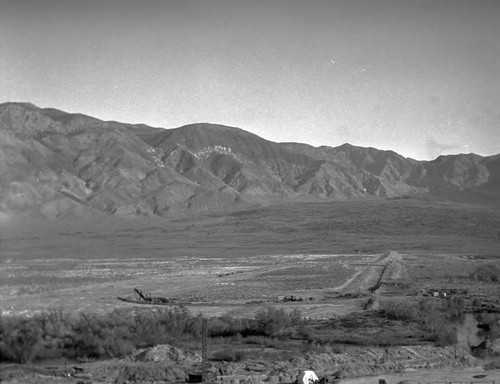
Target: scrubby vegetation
[(489, 325), (94, 336), (435, 318), (56, 333), (489, 273), (82, 335)]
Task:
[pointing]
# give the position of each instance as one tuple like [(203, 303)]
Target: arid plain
[(311, 249), (339, 261)]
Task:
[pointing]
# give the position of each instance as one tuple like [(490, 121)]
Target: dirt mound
[(165, 354), (359, 362), (147, 373), (367, 361), (488, 348)]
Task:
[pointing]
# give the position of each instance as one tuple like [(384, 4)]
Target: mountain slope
[(56, 164)]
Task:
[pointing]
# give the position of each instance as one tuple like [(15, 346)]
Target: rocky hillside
[(55, 164)]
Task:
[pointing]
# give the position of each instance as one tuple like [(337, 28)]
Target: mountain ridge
[(56, 164)]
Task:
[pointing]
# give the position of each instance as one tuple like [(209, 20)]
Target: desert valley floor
[(328, 259)]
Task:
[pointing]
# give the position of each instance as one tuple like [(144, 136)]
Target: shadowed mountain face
[(54, 164)]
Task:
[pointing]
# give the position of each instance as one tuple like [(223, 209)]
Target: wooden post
[(204, 342)]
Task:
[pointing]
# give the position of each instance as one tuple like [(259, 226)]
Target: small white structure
[(307, 377)]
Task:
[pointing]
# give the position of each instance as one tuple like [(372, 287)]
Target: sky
[(420, 77)]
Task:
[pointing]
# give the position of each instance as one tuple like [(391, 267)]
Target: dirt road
[(475, 375)]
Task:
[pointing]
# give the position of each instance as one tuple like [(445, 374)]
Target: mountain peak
[(24, 105), (472, 156), (217, 128), (58, 164)]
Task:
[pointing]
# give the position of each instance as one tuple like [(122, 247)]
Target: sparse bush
[(489, 324), (401, 310), (229, 326), (456, 309), (489, 273), (20, 339), (445, 335), (274, 322), (306, 332), (118, 333), (436, 318), (91, 335)]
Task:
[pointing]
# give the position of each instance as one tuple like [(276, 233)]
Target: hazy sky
[(421, 77)]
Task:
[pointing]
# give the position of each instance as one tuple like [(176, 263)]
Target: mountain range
[(55, 164)]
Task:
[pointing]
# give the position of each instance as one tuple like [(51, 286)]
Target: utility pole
[(204, 342)]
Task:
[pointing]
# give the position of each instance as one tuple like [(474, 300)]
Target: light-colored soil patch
[(95, 284)]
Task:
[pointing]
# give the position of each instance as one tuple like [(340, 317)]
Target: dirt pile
[(165, 363), (148, 373), (161, 364), (357, 362), (366, 361), (488, 348), (165, 354)]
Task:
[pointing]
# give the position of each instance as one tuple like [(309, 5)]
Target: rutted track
[(386, 269)]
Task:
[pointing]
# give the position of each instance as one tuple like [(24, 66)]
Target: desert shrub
[(91, 336), (436, 318), (489, 325), (306, 332), (487, 273), (401, 310), (229, 326), (54, 323), (180, 321), (445, 335), (95, 336), (428, 312), (87, 338), (273, 322), (489, 330), (20, 339), (455, 309), (296, 318)]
